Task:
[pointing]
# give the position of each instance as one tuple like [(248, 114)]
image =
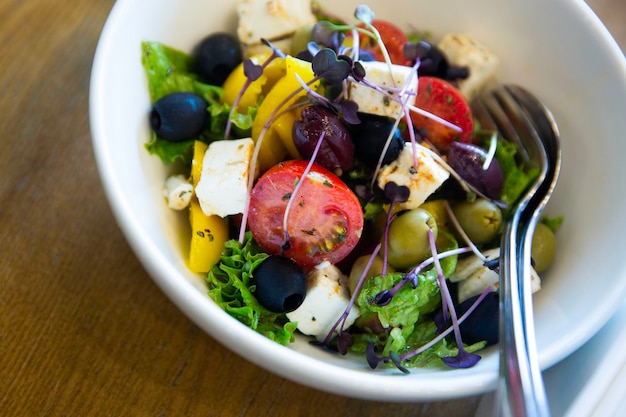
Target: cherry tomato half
[(324, 222), (442, 99), (394, 39)]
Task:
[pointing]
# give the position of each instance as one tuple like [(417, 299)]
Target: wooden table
[(83, 329)]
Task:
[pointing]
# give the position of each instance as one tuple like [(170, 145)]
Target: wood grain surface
[(83, 329)]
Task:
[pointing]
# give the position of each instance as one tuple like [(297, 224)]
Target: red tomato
[(442, 99), (394, 39), (324, 222)]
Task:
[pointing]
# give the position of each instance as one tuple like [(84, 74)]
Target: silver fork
[(521, 118)]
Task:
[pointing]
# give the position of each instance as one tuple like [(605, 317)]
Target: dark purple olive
[(216, 56), (370, 137), (435, 63), (336, 151), (280, 284), (467, 160), (481, 324), (178, 117)]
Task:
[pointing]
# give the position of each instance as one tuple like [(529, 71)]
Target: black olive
[(178, 117), (216, 57), (481, 324), (433, 63), (280, 284), (369, 139)]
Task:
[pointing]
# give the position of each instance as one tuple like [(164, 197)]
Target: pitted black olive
[(178, 117), (280, 284)]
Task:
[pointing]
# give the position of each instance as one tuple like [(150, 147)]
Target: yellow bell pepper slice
[(208, 236), (257, 88), (274, 146), (199, 148), (208, 233)]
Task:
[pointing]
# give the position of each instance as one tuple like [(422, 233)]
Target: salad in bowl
[(325, 202), (367, 206)]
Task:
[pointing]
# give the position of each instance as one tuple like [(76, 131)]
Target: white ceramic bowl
[(557, 49)]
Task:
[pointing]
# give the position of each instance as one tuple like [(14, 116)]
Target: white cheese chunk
[(326, 299), (474, 277), (465, 267), (464, 51), (375, 102), (177, 192), (274, 20), (223, 184), (422, 182)]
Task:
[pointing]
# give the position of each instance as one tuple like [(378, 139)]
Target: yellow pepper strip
[(258, 88), (276, 147), (208, 233)]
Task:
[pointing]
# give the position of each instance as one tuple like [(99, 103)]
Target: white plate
[(557, 49)]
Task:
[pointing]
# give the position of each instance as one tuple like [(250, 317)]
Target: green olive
[(300, 39), (438, 209), (543, 247), (480, 219), (359, 266), (408, 238)]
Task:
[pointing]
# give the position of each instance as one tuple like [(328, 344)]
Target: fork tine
[(495, 105), (522, 123)]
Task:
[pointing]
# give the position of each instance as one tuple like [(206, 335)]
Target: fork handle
[(521, 383)]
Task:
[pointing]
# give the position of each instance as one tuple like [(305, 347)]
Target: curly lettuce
[(408, 316), (230, 287)]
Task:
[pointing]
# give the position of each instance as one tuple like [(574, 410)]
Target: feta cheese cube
[(474, 277), (421, 181), (273, 20), (326, 299), (464, 51), (375, 102), (177, 192), (223, 184)]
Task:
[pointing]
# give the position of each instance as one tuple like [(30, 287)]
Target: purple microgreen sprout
[(384, 297), (491, 153), (364, 14), (326, 66), (384, 150), (292, 197), (395, 194), (467, 187), (277, 112), (463, 359), (252, 72), (348, 109), (340, 323), (373, 360), (462, 233), (325, 34), (417, 50), (435, 118)]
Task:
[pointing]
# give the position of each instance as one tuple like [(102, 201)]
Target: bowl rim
[(311, 371)]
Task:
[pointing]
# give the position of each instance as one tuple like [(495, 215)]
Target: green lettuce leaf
[(230, 288), (169, 70), (407, 316), (516, 177)]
